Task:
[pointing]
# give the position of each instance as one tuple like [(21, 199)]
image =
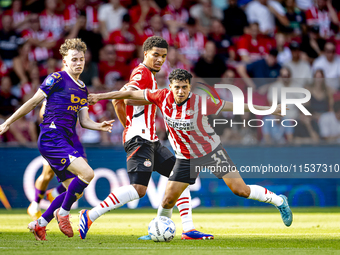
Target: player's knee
[(141, 190), (168, 202), (88, 175), (48, 176)]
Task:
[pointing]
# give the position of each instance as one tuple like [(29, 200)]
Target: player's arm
[(120, 109), (228, 106), (23, 110), (86, 122), (120, 106), (42, 109), (135, 102), (128, 94)]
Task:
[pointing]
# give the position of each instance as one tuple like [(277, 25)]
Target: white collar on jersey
[(79, 82), (186, 100)]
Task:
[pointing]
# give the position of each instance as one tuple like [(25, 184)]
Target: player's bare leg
[(40, 187), (51, 194), (235, 182), (176, 193)]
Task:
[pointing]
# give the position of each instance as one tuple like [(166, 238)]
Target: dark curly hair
[(180, 75), (155, 41)]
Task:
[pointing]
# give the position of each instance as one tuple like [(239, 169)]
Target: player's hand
[(278, 110), (92, 99), (3, 128), (107, 125)]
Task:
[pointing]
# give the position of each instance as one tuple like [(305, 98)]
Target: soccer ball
[(162, 229)]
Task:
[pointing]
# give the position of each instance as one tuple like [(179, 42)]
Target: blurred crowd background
[(260, 44)]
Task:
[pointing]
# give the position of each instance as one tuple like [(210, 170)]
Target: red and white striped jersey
[(54, 23), (71, 15), (321, 18), (140, 120), (257, 48), (17, 16), (191, 47), (170, 13), (190, 134), (165, 33), (167, 68), (38, 53), (125, 43)]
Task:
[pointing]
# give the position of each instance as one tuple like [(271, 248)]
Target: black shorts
[(144, 157), (217, 162)]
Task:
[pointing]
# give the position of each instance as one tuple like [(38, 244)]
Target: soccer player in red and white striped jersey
[(196, 144), (41, 41), (71, 13), (145, 154), (50, 20)]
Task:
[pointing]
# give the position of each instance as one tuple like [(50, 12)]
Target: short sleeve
[(139, 80), (49, 84), (87, 94), (214, 105), (242, 46), (309, 15), (155, 96)]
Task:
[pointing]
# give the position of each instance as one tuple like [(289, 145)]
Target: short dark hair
[(180, 75), (191, 21), (155, 41), (273, 52), (126, 18)]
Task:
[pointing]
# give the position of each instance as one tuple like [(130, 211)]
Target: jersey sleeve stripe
[(145, 95), (132, 86), (43, 92), (220, 109), (85, 107)]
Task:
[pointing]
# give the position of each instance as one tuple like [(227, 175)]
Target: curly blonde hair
[(72, 44)]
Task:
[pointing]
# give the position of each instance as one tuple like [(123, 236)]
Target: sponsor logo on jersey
[(53, 125), (147, 163), (137, 77), (184, 125), (71, 158), (76, 100)]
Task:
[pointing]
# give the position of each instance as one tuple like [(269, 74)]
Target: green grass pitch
[(236, 230)]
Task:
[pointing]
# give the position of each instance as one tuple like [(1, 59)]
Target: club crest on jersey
[(147, 163), (137, 77), (50, 81), (190, 112)]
